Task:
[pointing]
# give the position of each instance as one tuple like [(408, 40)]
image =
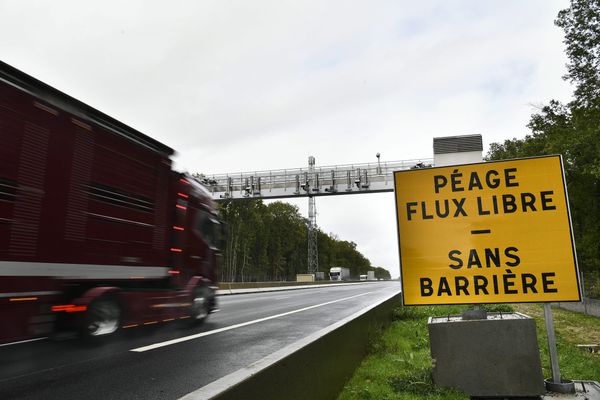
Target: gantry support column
[(313, 251)]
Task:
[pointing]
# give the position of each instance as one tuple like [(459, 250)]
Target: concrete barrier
[(316, 367), (225, 292)]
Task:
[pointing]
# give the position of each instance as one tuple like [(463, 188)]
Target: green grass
[(571, 329), (399, 363)]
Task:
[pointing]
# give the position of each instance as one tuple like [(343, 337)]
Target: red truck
[(97, 232)]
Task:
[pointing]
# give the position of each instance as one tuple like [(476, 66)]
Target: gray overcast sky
[(255, 85)]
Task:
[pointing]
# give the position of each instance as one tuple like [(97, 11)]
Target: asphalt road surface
[(171, 360)]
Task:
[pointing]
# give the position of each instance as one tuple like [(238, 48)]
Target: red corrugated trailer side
[(97, 232)]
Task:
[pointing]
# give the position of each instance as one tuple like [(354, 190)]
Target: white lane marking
[(228, 328), (219, 386), (22, 341)]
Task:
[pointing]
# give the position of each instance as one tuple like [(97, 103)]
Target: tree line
[(573, 130), (268, 242)]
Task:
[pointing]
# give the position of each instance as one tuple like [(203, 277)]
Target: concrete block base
[(498, 356)]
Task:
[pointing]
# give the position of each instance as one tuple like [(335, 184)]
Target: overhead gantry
[(310, 181), (315, 181)]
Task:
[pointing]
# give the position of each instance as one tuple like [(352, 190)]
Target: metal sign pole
[(552, 343)]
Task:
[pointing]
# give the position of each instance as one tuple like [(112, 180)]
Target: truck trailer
[(339, 274), (97, 232)]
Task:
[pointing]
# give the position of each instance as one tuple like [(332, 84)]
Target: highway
[(171, 360)]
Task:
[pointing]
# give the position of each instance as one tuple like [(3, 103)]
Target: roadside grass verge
[(571, 329), (399, 364), (399, 361)]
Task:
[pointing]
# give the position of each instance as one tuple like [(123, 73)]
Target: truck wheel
[(102, 318), (200, 304)]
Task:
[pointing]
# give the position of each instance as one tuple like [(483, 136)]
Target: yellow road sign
[(496, 232)]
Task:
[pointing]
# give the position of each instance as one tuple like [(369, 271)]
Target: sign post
[(552, 343), (495, 232)]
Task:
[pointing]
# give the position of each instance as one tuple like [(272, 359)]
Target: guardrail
[(586, 306)]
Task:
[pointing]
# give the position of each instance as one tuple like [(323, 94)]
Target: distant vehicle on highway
[(97, 232), (363, 277), (339, 274)]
